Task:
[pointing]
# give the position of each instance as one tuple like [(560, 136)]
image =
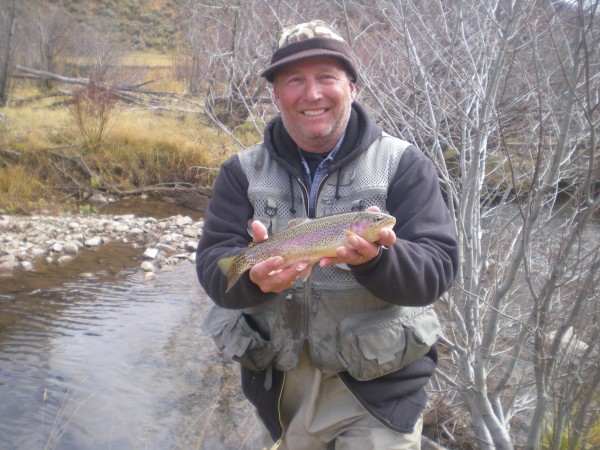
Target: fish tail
[(228, 266)]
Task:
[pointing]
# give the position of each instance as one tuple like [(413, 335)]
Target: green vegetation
[(150, 24), (573, 439)]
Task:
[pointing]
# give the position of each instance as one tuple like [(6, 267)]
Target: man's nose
[(312, 89)]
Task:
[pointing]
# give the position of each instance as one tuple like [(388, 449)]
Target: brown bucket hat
[(309, 40)]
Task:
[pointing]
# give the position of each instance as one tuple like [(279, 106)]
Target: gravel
[(27, 240)]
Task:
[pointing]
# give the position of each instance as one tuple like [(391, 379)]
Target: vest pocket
[(375, 343), (234, 334)]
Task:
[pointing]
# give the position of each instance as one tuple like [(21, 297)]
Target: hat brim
[(269, 72)]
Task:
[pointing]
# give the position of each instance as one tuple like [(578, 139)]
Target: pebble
[(147, 266), (151, 253), (149, 276), (95, 241), (64, 260), (59, 239)]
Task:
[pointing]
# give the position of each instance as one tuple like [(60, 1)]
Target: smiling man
[(336, 355), (314, 97)]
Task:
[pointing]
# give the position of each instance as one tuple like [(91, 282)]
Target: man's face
[(314, 98)]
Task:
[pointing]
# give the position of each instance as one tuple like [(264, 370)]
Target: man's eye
[(327, 78)]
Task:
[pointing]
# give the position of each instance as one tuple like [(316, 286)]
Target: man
[(340, 359)]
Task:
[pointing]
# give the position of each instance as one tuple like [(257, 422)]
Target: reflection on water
[(148, 207), (116, 363)]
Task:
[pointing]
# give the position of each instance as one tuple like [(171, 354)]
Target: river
[(94, 357), (110, 361)]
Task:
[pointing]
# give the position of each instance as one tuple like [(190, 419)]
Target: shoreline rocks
[(25, 240)]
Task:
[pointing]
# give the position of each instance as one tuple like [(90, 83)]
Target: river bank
[(27, 241)]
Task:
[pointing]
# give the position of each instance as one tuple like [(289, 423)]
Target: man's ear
[(275, 94), (353, 90)]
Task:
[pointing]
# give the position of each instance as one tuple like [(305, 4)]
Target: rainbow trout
[(307, 240)]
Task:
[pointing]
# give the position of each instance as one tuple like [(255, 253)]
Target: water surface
[(110, 361)]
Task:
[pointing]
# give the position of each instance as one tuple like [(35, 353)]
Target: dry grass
[(36, 127), (40, 141), (20, 191), (148, 59)]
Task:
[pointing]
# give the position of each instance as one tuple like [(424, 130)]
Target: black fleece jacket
[(415, 271)]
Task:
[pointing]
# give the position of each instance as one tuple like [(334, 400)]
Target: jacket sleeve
[(422, 264), (225, 233)]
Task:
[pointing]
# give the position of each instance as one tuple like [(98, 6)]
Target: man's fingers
[(270, 276), (259, 231), (387, 237)]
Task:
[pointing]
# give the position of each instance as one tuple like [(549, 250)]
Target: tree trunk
[(6, 58)]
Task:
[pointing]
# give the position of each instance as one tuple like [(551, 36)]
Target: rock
[(151, 253), (149, 276), (121, 228), (166, 248), (125, 217), (37, 251), (190, 246), (65, 259), (98, 199), (193, 232), (71, 248), (147, 266), (96, 241), (180, 221), (167, 238), (59, 239), (9, 258), (7, 265)]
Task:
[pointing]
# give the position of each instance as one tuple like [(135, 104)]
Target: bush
[(94, 108)]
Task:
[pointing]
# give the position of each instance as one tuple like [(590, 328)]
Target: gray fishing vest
[(346, 327)]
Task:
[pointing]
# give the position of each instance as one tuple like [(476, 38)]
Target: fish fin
[(227, 266), (349, 233), (299, 221), (231, 282), (305, 276)]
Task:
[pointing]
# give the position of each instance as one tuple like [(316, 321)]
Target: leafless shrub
[(94, 109)]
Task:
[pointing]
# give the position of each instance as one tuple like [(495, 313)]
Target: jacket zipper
[(319, 188), (279, 441), (306, 194)]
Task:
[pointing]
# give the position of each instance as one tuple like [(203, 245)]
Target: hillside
[(150, 24)]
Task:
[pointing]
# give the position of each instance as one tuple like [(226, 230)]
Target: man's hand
[(358, 250), (269, 275)]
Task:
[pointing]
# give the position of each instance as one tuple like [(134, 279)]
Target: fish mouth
[(388, 223)]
